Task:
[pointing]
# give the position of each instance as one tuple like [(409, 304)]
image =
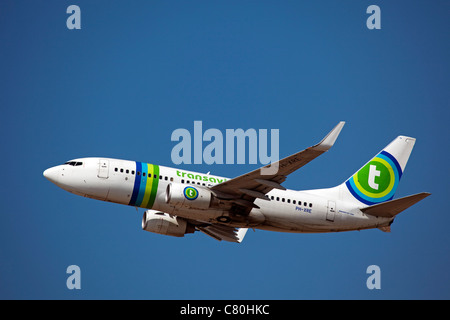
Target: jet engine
[(180, 195), (163, 223)]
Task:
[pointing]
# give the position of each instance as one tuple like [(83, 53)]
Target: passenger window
[(305, 204), (171, 178), (121, 170), (182, 180), (288, 200), (160, 177), (116, 169), (278, 198), (271, 197), (132, 172), (294, 202), (310, 205), (138, 173), (143, 173), (282, 199), (165, 178), (127, 171)]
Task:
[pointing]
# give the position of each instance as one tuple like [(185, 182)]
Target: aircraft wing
[(243, 190)]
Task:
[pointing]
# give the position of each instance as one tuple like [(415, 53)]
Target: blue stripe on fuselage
[(137, 184), (143, 184)]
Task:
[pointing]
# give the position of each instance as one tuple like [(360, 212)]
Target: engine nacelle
[(180, 195), (163, 223)]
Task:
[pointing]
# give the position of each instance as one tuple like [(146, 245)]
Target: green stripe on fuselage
[(154, 186), (148, 186)]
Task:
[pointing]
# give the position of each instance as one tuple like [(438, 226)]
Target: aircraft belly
[(316, 221), (291, 220)]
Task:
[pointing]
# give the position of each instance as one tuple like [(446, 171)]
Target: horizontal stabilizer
[(391, 208)]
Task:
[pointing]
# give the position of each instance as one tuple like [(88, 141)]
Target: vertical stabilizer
[(377, 180)]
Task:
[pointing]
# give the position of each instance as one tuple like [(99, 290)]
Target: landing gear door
[(103, 168), (331, 210)]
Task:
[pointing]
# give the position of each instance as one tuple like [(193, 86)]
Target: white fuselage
[(145, 185)]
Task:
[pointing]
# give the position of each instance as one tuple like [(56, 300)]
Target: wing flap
[(391, 208), (220, 232)]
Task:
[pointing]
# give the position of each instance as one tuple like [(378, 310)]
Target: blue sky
[(138, 70)]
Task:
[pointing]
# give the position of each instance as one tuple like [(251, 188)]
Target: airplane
[(179, 202)]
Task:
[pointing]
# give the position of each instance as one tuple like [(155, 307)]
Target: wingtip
[(330, 138)]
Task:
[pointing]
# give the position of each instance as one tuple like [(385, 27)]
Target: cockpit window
[(74, 163)]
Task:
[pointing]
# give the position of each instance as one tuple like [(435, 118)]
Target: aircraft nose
[(51, 174)]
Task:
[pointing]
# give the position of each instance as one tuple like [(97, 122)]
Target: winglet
[(330, 138)]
